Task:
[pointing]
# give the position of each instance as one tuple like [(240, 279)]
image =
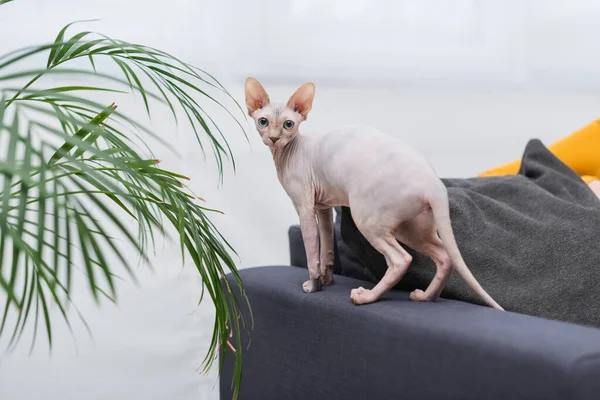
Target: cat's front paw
[(311, 285)]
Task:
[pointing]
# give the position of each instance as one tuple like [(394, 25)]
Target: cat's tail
[(438, 201)]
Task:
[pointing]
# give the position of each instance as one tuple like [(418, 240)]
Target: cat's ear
[(301, 100), (256, 96)]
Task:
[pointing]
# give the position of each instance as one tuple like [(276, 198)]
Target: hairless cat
[(393, 193)]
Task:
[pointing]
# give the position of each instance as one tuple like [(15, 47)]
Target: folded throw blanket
[(532, 240)]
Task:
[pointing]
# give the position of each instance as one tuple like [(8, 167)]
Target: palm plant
[(73, 169)]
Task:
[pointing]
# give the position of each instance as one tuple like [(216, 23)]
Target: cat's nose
[(274, 139)]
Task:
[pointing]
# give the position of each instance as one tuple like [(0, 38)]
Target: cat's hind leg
[(377, 216), (421, 235), (442, 275), (397, 260)]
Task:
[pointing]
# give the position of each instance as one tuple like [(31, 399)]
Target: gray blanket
[(532, 240)]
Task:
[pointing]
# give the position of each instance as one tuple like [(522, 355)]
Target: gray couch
[(321, 346)]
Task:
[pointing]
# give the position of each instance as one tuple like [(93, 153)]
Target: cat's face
[(277, 124)]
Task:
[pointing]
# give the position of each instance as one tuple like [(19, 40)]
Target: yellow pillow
[(580, 151)]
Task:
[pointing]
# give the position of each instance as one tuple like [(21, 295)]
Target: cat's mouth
[(274, 142)]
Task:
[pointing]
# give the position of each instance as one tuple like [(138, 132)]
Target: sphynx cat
[(393, 193)]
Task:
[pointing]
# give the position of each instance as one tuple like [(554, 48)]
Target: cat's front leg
[(310, 236), (325, 219)]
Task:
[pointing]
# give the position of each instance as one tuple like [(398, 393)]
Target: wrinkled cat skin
[(392, 191)]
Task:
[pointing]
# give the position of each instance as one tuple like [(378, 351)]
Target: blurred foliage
[(72, 178)]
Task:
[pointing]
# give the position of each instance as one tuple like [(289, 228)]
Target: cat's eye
[(288, 124), (263, 122)]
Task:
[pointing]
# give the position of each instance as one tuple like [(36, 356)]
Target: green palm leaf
[(71, 171)]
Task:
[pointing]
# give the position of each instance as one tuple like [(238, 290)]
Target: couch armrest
[(321, 346)]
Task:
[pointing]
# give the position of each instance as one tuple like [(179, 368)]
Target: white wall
[(466, 82)]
